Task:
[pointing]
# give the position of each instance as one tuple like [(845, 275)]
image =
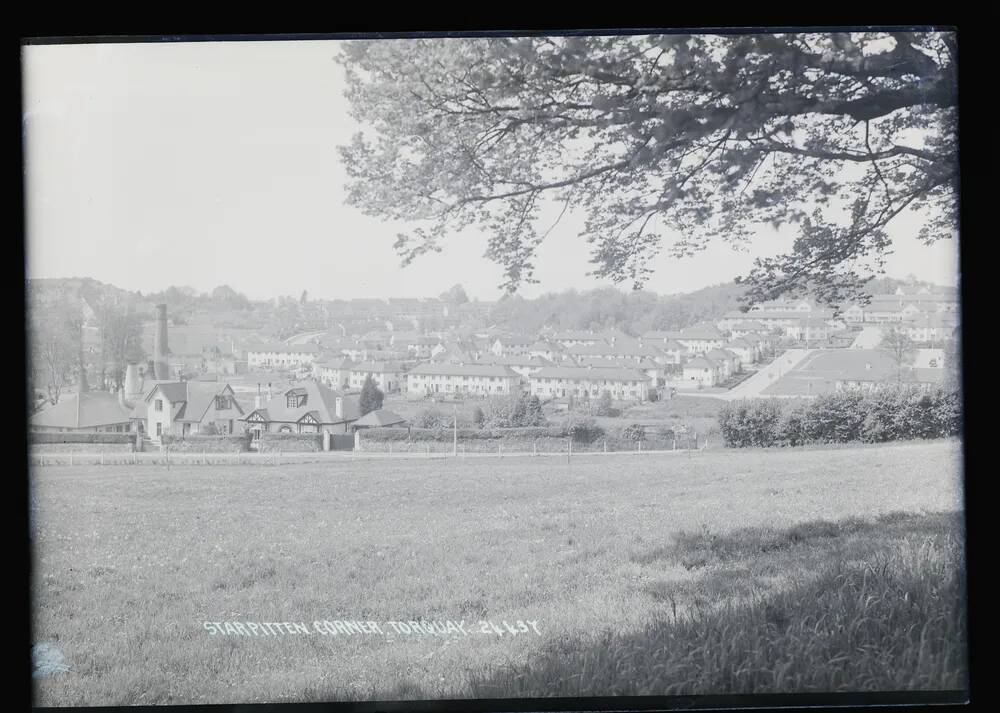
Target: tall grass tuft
[(891, 621)]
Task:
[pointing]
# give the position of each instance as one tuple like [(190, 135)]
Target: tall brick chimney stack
[(161, 366)]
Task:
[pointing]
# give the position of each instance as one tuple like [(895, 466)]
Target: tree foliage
[(695, 138), (371, 396), (900, 347), (55, 326)]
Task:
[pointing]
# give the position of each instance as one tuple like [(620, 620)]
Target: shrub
[(634, 432), (891, 413), (582, 429), (834, 418), (750, 422), (789, 429), (430, 417)]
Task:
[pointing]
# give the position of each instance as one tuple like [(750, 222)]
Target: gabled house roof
[(701, 362), (87, 410), (190, 400), (380, 418), (703, 332), (521, 360), (342, 362), (320, 401)]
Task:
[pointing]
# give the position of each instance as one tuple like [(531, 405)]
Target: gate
[(341, 442)]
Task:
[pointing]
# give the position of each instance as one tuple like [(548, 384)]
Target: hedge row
[(205, 444), (522, 445), (41, 448), (43, 437), (888, 414), (465, 434), (298, 442)]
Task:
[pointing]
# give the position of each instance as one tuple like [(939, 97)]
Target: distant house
[(874, 369), (335, 372), (451, 353), (743, 348), (523, 365), (701, 370), (545, 349), (701, 338), (387, 375), (512, 345), (89, 412), (631, 350), (667, 343), (854, 314), (728, 361), (306, 406), (656, 372), (590, 382), (461, 379), (927, 327), (278, 355), (572, 338), (181, 408)]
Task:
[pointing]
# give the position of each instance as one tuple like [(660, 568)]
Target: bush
[(887, 414), (834, 418), (430, 417), (582, 429), (634, 432), (749, 423)]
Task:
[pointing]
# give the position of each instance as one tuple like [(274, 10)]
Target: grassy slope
[(130, 561)]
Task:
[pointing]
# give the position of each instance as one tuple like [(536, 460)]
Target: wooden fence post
[(102, 457)]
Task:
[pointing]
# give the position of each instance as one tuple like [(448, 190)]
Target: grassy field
[(610, 560)]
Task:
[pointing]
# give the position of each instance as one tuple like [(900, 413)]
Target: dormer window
[(295, 398), (222, 403)]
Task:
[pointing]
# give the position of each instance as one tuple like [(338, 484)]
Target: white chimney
[(339, 407), (257, 401)]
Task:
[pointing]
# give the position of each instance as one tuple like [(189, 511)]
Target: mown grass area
[(129, 563)]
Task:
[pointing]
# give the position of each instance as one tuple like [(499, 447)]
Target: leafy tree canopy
[(694, 138)]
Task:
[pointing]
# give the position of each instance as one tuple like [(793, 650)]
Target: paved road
[(764, 377), (767, 375), (303, 338)]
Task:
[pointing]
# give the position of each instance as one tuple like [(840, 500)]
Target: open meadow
[(592, 576)]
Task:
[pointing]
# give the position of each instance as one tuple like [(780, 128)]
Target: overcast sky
[(211, 163)]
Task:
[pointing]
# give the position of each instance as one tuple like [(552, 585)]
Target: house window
[(158, 405), (159, 429), (222, 403)]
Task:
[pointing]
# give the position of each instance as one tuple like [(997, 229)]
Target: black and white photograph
[(432, 367)]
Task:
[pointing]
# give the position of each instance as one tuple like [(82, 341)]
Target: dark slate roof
[(380, 417)]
